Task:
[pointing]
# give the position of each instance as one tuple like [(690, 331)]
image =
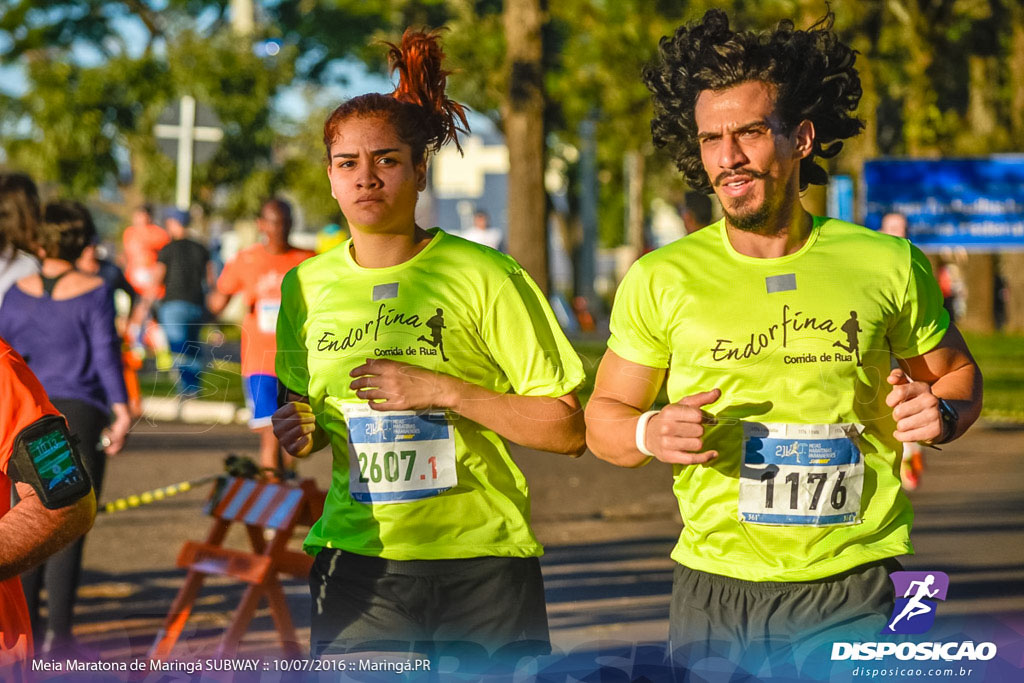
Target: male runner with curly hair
[(785, 444)]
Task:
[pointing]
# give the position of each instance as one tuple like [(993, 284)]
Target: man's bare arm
[(29, 532), (622, 392), (948, 372)]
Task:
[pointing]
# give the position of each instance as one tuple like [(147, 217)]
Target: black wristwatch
[(949, 417)]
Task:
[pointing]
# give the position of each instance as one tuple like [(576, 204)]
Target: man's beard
[(755, 221)]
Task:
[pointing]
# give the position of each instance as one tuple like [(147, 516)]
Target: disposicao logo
[(915, 610)]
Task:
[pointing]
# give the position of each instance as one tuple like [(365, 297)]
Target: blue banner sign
[(972, 203), (840, 198)]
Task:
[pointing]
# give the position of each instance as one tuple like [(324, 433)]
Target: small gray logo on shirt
[(780, 283), (388, 291)]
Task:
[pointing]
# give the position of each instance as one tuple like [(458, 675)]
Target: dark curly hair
[(812, 72)]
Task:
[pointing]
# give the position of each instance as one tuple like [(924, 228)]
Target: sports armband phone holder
[(46, 457)]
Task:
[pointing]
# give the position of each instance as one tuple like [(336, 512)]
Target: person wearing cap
[(184, 270)]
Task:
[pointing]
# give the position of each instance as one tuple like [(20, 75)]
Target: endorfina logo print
[(794, 324), (377, 330), (915, 610)]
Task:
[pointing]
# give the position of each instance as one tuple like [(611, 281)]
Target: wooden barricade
[(260, 507)]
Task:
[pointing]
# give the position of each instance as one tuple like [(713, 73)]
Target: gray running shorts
[(365, 603)]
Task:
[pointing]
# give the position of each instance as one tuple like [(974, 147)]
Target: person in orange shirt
[(256, 273), (142, 241), (56, 504)]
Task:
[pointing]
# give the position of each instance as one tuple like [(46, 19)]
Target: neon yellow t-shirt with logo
[(805, 339), (457, 308)]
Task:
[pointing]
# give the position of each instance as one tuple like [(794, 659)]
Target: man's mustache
[(726, 175)]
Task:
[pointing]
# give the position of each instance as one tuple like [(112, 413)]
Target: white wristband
[(641, 431)]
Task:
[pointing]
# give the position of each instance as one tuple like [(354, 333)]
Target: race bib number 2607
[(398, 456)]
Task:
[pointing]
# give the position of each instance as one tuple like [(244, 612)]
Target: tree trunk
[(980, 268), (131, 193), (1016, 73), (865, 145), (1013, 273), (524, 135), (243, 17), (585, 255), (1013, 262), (982, 105), (979, 274), (920, 100), (635, 202)]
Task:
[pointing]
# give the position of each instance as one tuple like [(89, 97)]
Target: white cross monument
[(186, 133)]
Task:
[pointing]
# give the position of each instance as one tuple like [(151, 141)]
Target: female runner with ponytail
[(415, 354)]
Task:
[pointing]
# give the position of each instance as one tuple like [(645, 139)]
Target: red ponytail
[(422, 81), (422, 114)]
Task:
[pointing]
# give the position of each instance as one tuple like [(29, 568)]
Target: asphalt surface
[(608, 533)]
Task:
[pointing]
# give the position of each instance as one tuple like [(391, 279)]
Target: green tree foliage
[(604, 48), (304, 171), (475, 47), (97, 81), (224, 72), (29, 26), (66, 128), (940, 77), (324, 31)]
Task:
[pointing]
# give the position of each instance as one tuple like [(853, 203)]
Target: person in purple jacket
[(62, 322)]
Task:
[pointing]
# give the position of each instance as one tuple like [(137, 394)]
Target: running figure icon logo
[(436, 324), (852, 329), (915, 610)]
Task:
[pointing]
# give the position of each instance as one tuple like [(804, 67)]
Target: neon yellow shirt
[(800, 340), (458, 308)]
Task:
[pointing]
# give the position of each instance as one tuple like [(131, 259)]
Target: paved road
[(608, 533)]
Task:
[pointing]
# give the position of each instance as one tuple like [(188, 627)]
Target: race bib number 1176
[(801, 475)]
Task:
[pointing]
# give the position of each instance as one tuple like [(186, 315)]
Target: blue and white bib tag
[(801, 474), (266, 314), (399, 455)]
